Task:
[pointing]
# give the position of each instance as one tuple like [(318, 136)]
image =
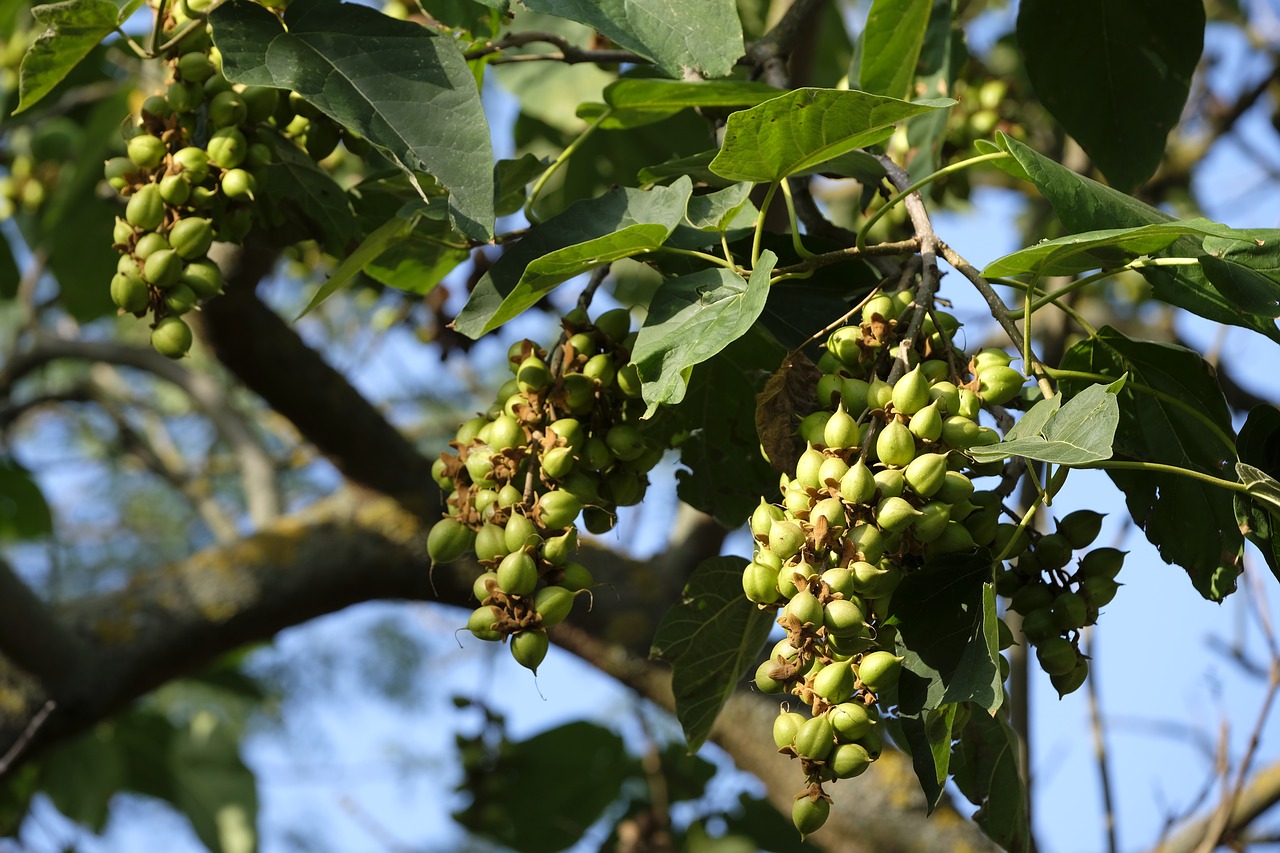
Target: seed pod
[(553, 604), (625, 441), (558, 549), (184, 96), (171, 337), (926, 424), (1005, 531), (491, 543), (577, 577), (1057, 656), (932, 521), (163, 268), (970, 404), (895, 514), (1081, 527), (529, 648), (520, 533), (876, 580), (260, 102), (557, 509), (116, 171), (956, 488), (175, 190), (517, 574), (191, 237), (882, 305), (760, 583), (879, 670), (947, 396), (959, 432), (786, 538), (843, 618), (601, 368), (482, 620), (813, 427), (890, 483), (999, 384), (840, 431), (926, 473), (1032, 596), (1039, 625), (763, 518), (614, 324), (832, 509), (130, 293), (145, 209), (227, 148), (990, 357), (480, 586), (237, 184), (867, 541), (849, 760), (765, 683), (953, 539), (809, 815), (146, 151), (557, 462), (805, 608), (1070, 611), (1071, 681), (179, 299), (480, 465), (895, 445), (835, 682), (447, 540), (879, 393), (1098, 590), (854, 395), (1053, 551), (808, 467), (227, 109), (785, 727), (851, 721), (911, 392), (815, 738), (845, 344), (1101, 562), (858, 485)]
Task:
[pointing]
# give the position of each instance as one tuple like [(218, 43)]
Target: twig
[(826, 259), (568, 53), (770, 52), (19, 746), (1100, 747), (928, 250)]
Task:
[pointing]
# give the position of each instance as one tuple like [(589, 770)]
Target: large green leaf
[(1104, 249), (704, 37), (1116, 74), (1078, 433), (73, 29), (1259, 446), (1192, 523), (711, 638), (941, 58), (545, 792), (1085, 205), (1245, 268), (947, 635), (297, 200), (81, 775), (890, 46), (632, 102), (985, 769), (926, 737), (212, 786), (726, 474), (414, 97), (23, 511), (801, 130), (588, 234), (690, 319)]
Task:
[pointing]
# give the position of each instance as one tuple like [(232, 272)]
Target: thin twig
[(826, 259), (19, 746), (770, 52), (1100, 746), (928, 251)]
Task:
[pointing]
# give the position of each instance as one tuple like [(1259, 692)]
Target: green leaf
[(1245, 268), (947, 635), (803, 129), (711, 638), (726, 474), (1085, 205), (1115, 73), (511, 177), (926, 737), (690, 319), (23, 511), (696, 166), (890, 46), (705, 37), (375, 244), (715, 212), (81, 775), (588, 234), (420, 261), (1078, 433), (985, 769), (1259, 447), (941, 57), (72, 29), (1191, 523), (516, 805), (297, 200), (212, 786), (633, 102), (414, 97), (1091, 250), (1262, 487)]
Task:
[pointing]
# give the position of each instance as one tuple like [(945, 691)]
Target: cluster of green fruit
[(563, 440), (883, 485), (1056, 604)]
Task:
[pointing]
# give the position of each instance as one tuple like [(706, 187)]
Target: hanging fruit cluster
[(564, 440), (883, 486)]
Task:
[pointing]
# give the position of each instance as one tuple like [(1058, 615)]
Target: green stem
[(796, 242), (1160, 467), (1022, 525), (718, 261), (925, 181), (1099, 276), (1077, 317), (764, 210), (1222, 436), (560, 161)]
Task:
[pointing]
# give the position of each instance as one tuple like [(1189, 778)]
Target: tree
[(758, 187)]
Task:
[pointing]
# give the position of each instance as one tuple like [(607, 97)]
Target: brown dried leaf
[(789, 395)]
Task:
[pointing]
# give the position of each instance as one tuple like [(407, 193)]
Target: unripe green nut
[(577, 577), (1101, 562), (614, 324), (179, 299), (991, 357), (195, 66), (926, 424), (805, 608), (835, 682), (529, 648), (227, 148), (895, 514), (851, 721), (867, 541), (145, 209), (843, 618), (146, 151), (481, 623), (163, 268), (191, 237), (156, 106), (1070, 611), (625, 442), (1081, 527), (1053, 551), (517, 574), (1098, 590), (926, 473), (879, 670), (172, 337), (813, 427), (194, 164), (480, 586), (557, 462), (766, 683), (932, 521), (808, 815), (184, 96), (1006, 531), (808, 467), (629, 382), (260, 102), (879, 393), (786, 538), (882, 305), (960, 432), (840, 580), (491, 543), (227, 109), (970, 404), (1057, 656), (876, 580), (911, 392), (130, 293), (840, 431), (601, 368), (505, 433), (175, 190), (238, 184), (997, 384), (849, 760), (1039, 625), (1071, 681), (858, 485), (763, 517), (832, 471), (203, 277), (815, 738), (947, 396), (558, 549), (115, 170), (832, 509), (520, 533), (785, 727), (895, 445), (447, 540), (760, 583), (956, 488), (553, 604), (955, 537), (1032, 596), (557, 509)]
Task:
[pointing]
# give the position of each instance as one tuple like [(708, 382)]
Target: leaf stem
[(560, 161), (1160, 467), (1221, 435), (1099, 276), (759, 235), (796, 242), (671, 250), (925, 181)]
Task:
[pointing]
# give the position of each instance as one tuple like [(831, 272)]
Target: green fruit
[(130, 293), (849, 760), (557, 509), (813, 426), (858, 485), (171, 337), (558, 549), (1070, 611), (1071, 681), (1102, 563), (999, 384), (571, 432), (1098, 590), (322, 138), (954, 538), (840, 431), (179, 299), (763, 517), (835, 682), (879, 670), (480, 586), (625, 442), (926, 473), (970, 404), (809, 467), (623, 487), (990, 357), (926, 424), (911, 392), (765, 683), (237, 184), (115, 171), (840, 580), (156, 106), (881, 305), (557, 462), (193, 164), (260, 103), (960, 432), (895, 514), (204, 278), (195, 67), (227, 148), (505, 433), (148, 244), (1032, 597), (448, 539), (227, 108), (1053, 551), (895, 445), (1039, 625), (184, 96), (832, 509), (956, 488), (879, 393), (785, 726), (809, 814), (805, 608), (629, 381), (520, 533), (163, 268), (786, 538), (175, 190), (601, 368), (615, 324), (491, 543), (875, 580), (145, 209), (932, 521), (577, 577), (482, 620), (1006, 531), (845, 344), (553, 604), (843, 618), (1057, 656), (191, 237), (815, 739), (947, 395), (517, 574), (867, 541), (146, 151), (760, 583), (851, 721), (1081, 527), (529, 648)]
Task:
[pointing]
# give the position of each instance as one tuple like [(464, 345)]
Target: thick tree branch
[(771, 51), (270, 358)]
